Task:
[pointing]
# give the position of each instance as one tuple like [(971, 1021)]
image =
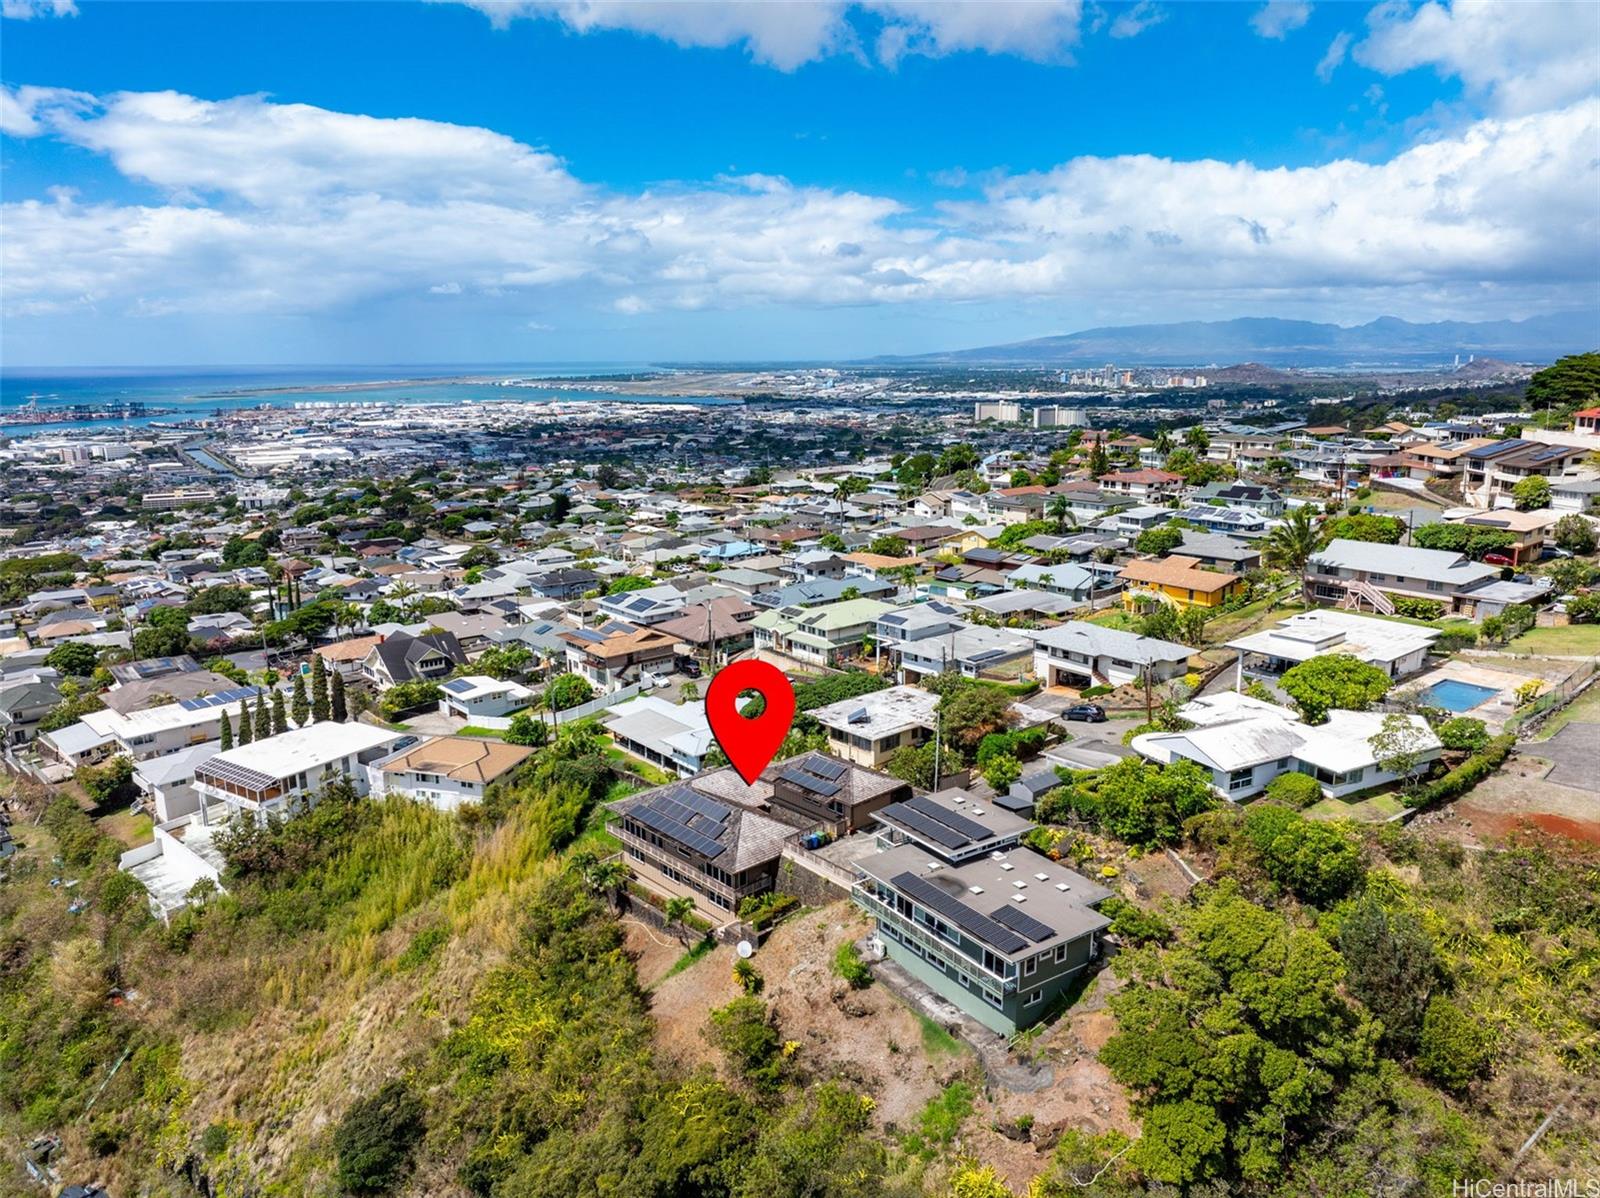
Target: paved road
[(1574, 753)]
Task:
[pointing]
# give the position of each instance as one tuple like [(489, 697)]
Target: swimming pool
[(1453, 695)]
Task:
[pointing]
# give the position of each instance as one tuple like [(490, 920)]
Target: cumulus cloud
[(787, 35), (26, 10), (291, 209), (1522, 57), (1277, 19)]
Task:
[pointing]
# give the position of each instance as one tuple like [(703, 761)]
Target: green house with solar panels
[(996, 928)]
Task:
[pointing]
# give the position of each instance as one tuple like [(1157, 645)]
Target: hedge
[(1465, 776)]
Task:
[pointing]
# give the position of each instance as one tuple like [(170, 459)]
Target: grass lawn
[(1574, 640), (935, 1040), (1368, 811), (488, 733), (1114, 617), (634, 765), (700, 949), (132, 830), (1394, 501)]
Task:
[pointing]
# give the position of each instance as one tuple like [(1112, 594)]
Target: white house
[(445, 771), (274, 775), (674, 736), (157, 731), (1396, 649), (868, 729), (1244, 754), (1080, 654), (479, 695)]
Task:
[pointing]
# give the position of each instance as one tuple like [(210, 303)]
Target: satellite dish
[(745, 949)]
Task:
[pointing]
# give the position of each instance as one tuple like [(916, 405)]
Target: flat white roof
[(308, 748), (1314, 633), (882, 712)]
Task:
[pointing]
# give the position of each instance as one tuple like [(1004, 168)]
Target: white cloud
[(332, 211), (26, 10), (1338, 48), (1277, 19), (786, 34), (1131, 22), (1522, 57)]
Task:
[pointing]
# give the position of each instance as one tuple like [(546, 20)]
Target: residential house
[(999, 932), (815, 790), (673, 736), (1493, 471), (1080, 655), (868, 729), (1070, 581), (973, 652), (1224, 553), (157, 731), (1396, 649), (1143, 486), (722, 625), (401, 657), (614, 655), (818, 635), (680, 842), (445, 771), (475, 695), (1353, 574), (282, 773), (1178, 580), (1244, 755), (643, 607)]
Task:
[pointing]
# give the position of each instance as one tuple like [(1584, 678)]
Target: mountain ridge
[(1275, 341)]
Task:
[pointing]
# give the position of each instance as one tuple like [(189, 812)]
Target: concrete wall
[(807, 882)]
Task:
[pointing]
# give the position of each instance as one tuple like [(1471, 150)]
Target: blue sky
[(214, 182)]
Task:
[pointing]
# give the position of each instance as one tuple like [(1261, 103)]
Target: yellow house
[(1180, 580)]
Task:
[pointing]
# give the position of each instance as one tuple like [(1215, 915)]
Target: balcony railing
[(868, 901)]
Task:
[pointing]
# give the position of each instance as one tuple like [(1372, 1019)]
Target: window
[(994, 999), (1061, 953), (1030, 967), (1035, 997), (1241, 779)]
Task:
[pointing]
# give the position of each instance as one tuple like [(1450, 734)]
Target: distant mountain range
[(1387, 341)]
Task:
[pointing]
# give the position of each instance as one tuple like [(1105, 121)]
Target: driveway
[(1574, 754)]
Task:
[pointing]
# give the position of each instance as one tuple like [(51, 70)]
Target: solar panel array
[(972, 829), (958, 913), (457, 686), (822, 767), (917, 822), (220, 699), (806, 782), (1021, 921), (654, 814), (240, 775)]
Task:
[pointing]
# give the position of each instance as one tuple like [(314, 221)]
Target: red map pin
[(749, 743)]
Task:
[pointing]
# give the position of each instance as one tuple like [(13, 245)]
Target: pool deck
[(1493, 711)]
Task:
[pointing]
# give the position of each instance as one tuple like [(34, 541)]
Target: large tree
[(1334, 680), (1293, 541)]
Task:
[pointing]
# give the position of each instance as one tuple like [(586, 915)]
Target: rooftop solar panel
[(922, 825), (964, 917), (457, 686), (971, 829), (804, 781), (681, 833), (702, 806), (1021, 921), (823, 768)]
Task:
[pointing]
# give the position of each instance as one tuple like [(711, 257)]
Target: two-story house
[(998, 930), (1080, 655), (401, 657), (445, 771)]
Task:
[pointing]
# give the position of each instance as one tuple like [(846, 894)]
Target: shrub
[(1094, 692), (1463, 734), (847, 963), (747, 1034), (1466, 775), (1134, 924), (1455, 1048), (763, 909), (1294, 790), (1453, 640), (1418, 609), (1001, 772), (374, 1140)]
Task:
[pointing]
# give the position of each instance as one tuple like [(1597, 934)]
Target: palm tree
[(678, 910), (403, 595), (1061, 512), (1294, 541)]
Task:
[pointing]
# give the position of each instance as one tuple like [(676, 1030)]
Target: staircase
[(1357, 591)]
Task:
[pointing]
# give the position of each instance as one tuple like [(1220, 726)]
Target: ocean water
[(200, 391)]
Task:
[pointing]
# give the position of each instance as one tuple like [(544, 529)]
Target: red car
[(1497, 559)]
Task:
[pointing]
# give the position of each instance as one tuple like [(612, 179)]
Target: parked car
[(690, 667), (1497, 559), (1091, 713)]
